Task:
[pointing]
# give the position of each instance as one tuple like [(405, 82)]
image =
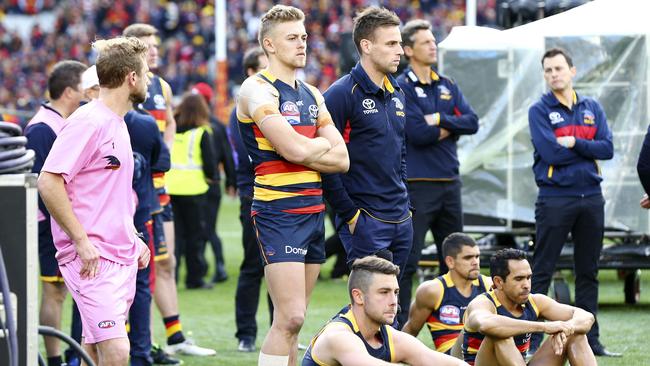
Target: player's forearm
[(306, 150), (582, 321), (411, 328), (498, 326), (52, 190), (335, 160)]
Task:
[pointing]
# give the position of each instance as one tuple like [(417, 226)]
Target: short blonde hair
[(277, 14), (117, 58), (139, 30)]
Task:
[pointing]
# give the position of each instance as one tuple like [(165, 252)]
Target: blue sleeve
[(333, 189), (464, 121), (156, 148), (601, 147), (643, 164), (418, 132), (163, 164), (40, 138), (545, 142)]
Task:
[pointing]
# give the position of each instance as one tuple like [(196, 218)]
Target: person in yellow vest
[(193, 167)]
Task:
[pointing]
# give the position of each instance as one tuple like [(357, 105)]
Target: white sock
[(272, 360)]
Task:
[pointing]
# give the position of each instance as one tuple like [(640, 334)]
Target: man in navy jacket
[(437, 114), (569, 133), (367, 106)]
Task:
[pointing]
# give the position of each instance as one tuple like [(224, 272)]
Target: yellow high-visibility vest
[(186, 178)]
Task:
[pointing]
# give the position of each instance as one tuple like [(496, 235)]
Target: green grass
[(210, 316)]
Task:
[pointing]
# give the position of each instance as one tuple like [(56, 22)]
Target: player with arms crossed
[(499, 323), (290, 138)]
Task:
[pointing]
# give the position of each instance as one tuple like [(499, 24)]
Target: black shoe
[(201, 285), (246, 345), (220, 275), (599, 350), (161, 357)]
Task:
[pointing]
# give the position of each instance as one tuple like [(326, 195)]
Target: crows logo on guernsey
[(112, 162)]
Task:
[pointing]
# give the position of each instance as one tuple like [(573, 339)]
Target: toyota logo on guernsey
[(369, 106), (313, 110)]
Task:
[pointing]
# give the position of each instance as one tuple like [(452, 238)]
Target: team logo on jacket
[(450, 314), (398, 103), (588, 117), (112, 162), (369, 106), (445, 94), (291, 112), (106, 324), (420, 92), (555, 117)]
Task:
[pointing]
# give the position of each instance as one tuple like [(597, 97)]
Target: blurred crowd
[(187, 37)]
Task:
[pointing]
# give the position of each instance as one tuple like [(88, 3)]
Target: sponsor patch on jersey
[(588, 117), (369, 106), (159, 101), (450, 314), (555, 118), (313, 110), (106, 324), (291, 112)]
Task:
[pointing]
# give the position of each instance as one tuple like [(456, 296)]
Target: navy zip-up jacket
[(371, 121), (427, 158), (243, 166), (560, 171)]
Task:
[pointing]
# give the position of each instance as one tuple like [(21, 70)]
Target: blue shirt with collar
[(427, 157), (371, 120), (560, 171)]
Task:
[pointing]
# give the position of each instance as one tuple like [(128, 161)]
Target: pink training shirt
[(93, 155)]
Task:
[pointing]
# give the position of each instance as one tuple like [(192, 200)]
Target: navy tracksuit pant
[(372, 235), (438, 208), (140, 314), (583, 218), (251, 273)]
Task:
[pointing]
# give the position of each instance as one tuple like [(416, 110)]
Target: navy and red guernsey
[(560, 171), (472, 340), (371, 120), (446, 320), (282, 186)]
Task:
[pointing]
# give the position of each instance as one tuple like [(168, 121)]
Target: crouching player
[(499, 323), (361, 334)]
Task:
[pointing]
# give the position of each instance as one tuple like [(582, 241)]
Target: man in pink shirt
[(85, 183)]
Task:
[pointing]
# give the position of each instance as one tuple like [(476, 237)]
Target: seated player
[(441, 302), (361, 334), (499, 323)]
